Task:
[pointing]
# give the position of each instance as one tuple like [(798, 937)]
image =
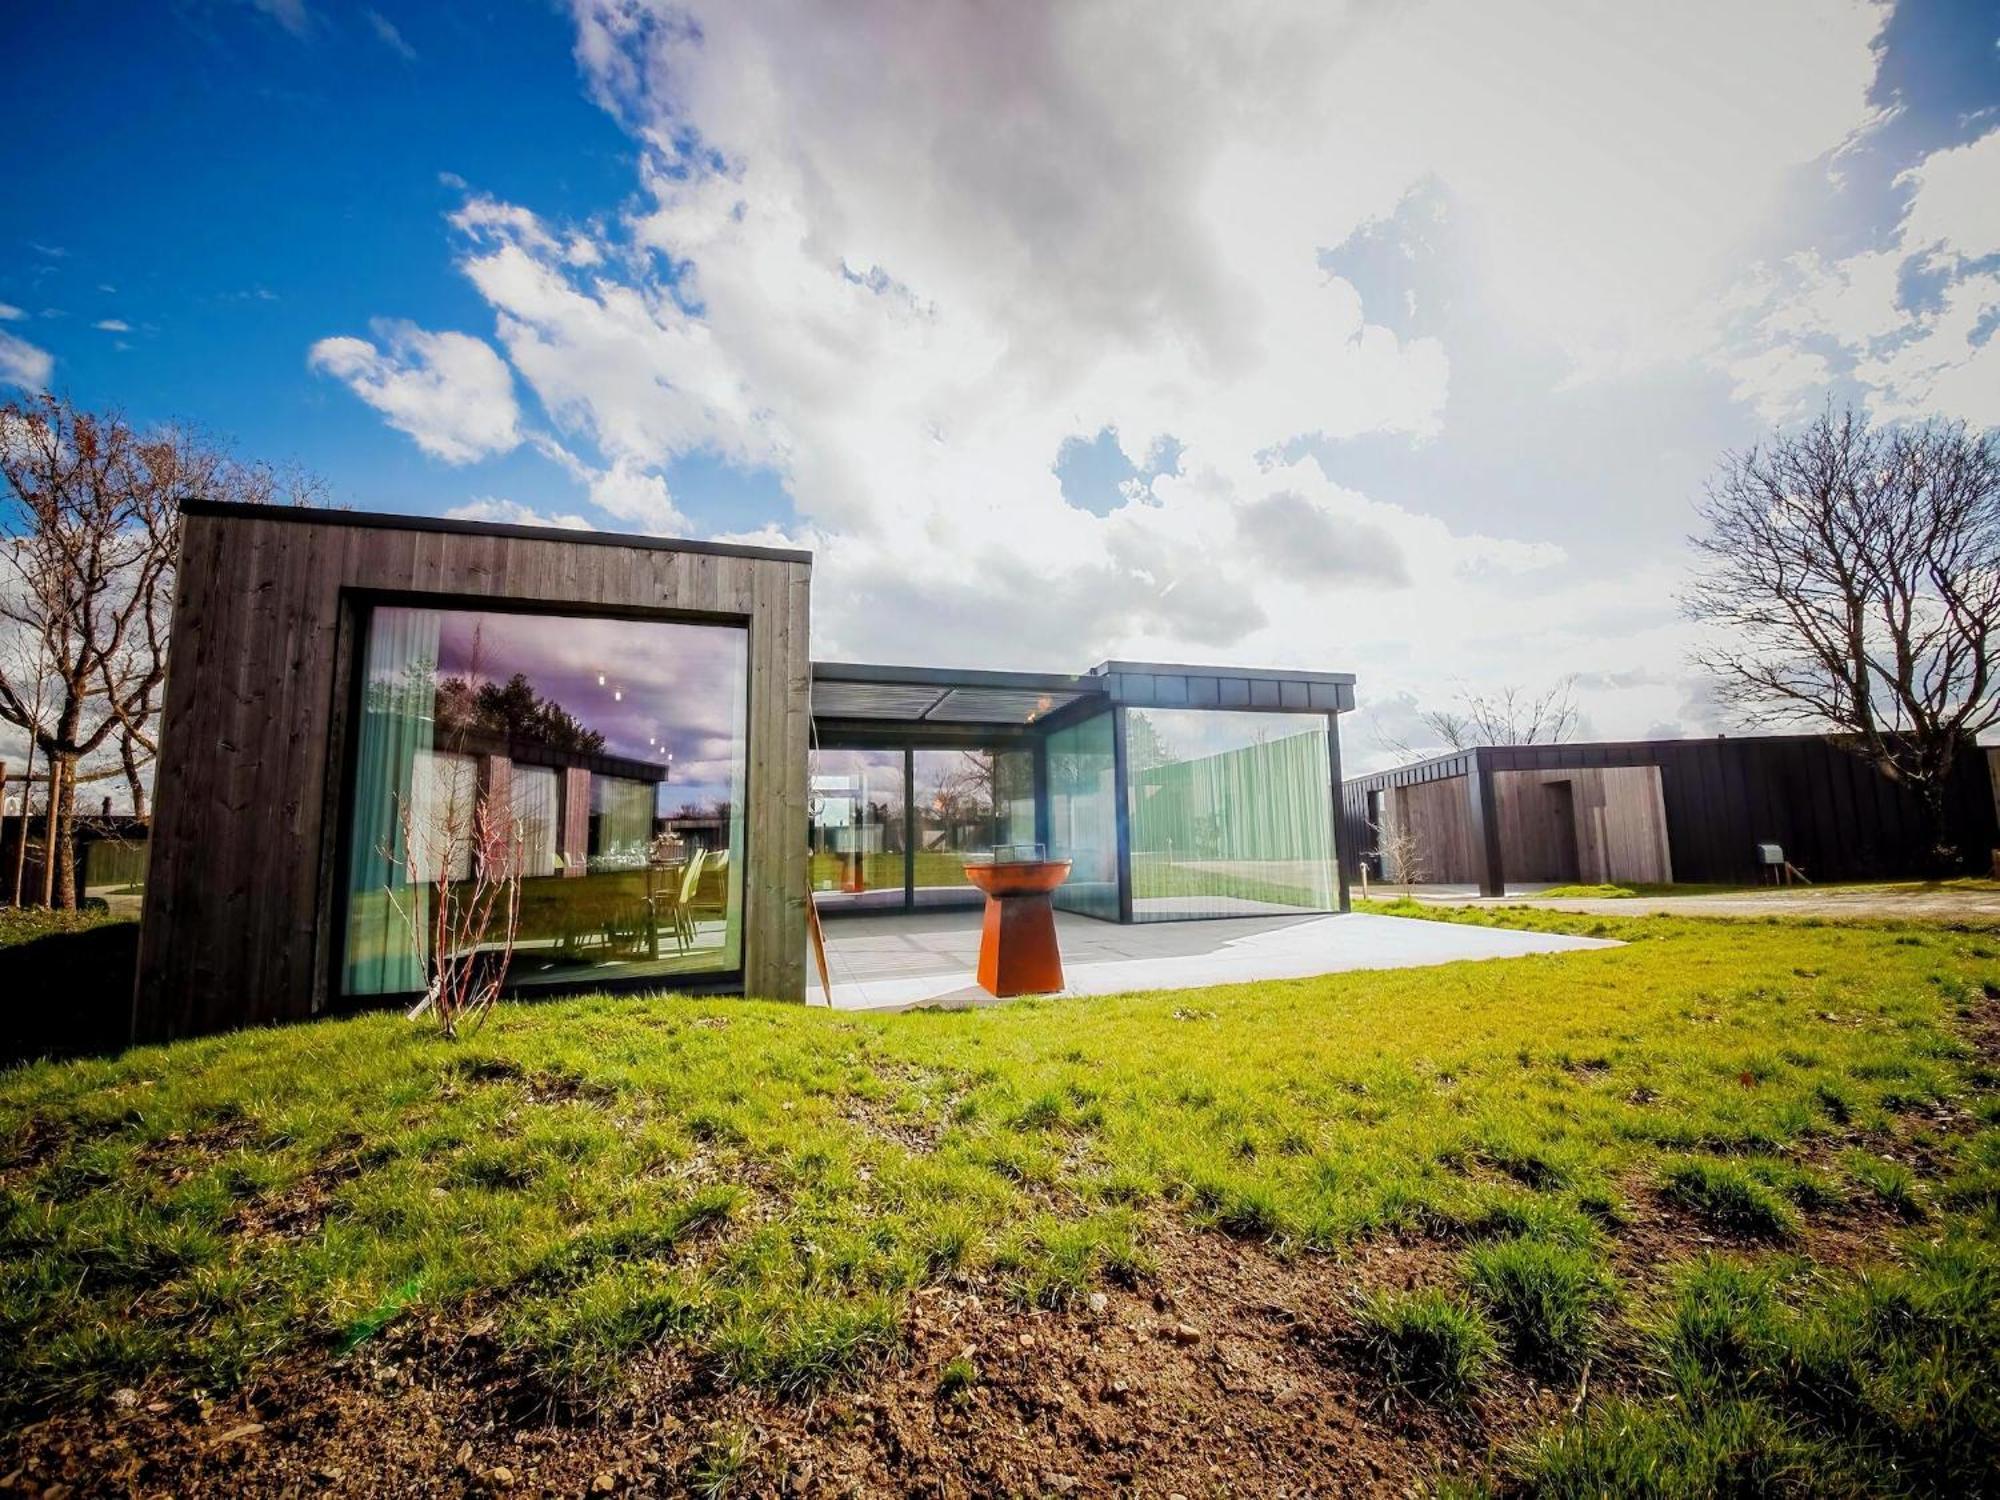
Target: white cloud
[(448, 391), (22, 364), (1809, 321), (386, 32), (513, 513), (897, 256), (10, 313), (633, 495), (112, 325), (1955, 207), (293, 15)]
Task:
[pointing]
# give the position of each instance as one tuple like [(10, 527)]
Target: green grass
[(1429, 1342), (1549, 1298), (1729, 1196), (28, 924), (766, 1187)]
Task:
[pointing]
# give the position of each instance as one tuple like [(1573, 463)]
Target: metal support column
[(1333, 766), (1121, 794)]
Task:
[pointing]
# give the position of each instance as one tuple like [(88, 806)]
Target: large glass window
[(1231, 814), (857, 828), (605, 759), (1083, 817)]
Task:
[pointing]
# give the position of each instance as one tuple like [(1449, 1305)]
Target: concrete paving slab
[(1103, 958)]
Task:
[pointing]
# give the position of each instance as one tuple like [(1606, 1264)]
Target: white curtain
[(399, 694), (532, 801)]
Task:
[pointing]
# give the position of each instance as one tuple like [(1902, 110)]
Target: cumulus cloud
[(491, 508), (23, 364), (448, 391), (905, 259), (112, 325), (1810, 320), (1297, 539), (635, 496)]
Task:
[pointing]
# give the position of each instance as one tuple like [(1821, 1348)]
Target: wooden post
[(21, 842), (49, 834)]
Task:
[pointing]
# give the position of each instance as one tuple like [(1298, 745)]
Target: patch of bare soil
[(1230, 1371)]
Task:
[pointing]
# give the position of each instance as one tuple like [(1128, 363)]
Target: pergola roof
[(855, 693), (938, 695)]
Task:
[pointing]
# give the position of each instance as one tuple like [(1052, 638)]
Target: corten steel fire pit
[(1017, 944)]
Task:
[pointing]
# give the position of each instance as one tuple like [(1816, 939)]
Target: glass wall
[(1231, 814), (1083, 817), (566, 751), (966, 801), (857, 840)]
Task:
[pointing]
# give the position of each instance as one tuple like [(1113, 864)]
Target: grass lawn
[(1715, 1211)]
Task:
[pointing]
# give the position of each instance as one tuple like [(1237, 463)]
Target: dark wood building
[(1688, 811), (341, 685)]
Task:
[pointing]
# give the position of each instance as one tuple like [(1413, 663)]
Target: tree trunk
[(128, 755), (68, 897), (1941, 856)]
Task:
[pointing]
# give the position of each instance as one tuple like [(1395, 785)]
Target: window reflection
[(610, 755), (857, 828)]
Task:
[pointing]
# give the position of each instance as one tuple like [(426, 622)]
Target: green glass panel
[(1083, 817), (1231, 814)]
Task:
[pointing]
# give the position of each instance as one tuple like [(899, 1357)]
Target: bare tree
[(461, 901), (89, 529), (1852, 580), (1401, 852), (1509, 715)]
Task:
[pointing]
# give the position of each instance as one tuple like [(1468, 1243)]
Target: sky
[(669, 692), (1392, 338)]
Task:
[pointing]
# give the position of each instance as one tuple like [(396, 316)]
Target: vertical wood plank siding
[(240, 900), (1837, 817)]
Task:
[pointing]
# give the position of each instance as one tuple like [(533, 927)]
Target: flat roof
[(861, 692), (943, 695), (1557, 755), (378, 520)]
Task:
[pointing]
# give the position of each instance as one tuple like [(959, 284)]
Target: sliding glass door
[(893, 827)]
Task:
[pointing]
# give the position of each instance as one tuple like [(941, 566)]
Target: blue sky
[(1397, 341)]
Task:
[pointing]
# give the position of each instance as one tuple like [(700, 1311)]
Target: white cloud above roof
[(898, 257), (448, 391)]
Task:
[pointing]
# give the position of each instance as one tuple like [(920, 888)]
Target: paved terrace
[(889, 962)]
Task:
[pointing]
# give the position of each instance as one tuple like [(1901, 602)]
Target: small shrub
[(1726, 1196), (956, 1380), (1620, 1448), (1547, 1297), (1426, 1342), (724, 1465), (1892, 1183)]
